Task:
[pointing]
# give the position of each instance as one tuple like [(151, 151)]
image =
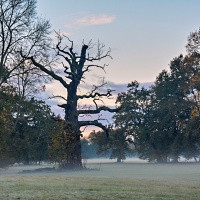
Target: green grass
[(112, 181)]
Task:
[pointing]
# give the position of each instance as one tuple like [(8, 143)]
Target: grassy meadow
[(105, 180)]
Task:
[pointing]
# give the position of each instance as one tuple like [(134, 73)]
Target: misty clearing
[(105, 180)]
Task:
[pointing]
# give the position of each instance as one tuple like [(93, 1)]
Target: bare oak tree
[(75, 68)]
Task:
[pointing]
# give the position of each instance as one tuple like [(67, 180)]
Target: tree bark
[(74, 159)]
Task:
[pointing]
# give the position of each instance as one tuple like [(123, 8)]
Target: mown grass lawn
[(112, 181)]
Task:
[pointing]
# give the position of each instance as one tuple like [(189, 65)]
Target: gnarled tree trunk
[(78, 65)]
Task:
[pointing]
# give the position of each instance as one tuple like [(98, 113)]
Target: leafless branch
[(98, 110), (57, 96), (87, 67), (44, 69), (94, 123), (96, 94)]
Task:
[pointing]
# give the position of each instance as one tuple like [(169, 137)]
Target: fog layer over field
[(130, 168), (104, 179)]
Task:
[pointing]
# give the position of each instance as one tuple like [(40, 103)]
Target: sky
[(144, 35)]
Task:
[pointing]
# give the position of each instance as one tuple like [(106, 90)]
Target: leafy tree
[(61, 144), (160, 118), (192, 66), (25, 128), (20, 28), (192, 63), (138, 118), (173, 106), (6, 123), (34, 126), (77, 66)]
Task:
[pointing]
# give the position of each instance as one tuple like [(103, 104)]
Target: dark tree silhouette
[(20, 27), (77, 67)]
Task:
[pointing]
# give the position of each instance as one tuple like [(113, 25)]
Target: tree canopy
[(162, 118)]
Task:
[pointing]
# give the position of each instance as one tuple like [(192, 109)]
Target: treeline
[(26, 127), (163, 120), (31, 133)]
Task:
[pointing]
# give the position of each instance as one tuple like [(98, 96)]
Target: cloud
[(92, 20), (116, 87)]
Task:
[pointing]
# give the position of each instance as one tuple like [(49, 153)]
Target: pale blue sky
[(144, 35)]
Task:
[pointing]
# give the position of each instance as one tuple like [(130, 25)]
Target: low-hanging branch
[(94, 123)]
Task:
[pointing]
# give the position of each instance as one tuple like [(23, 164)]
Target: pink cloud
[(95, 20)]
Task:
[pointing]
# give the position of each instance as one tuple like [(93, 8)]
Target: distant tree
[(88, 149), (77, 65), (85, 150), (100, 139), (117, 145)]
